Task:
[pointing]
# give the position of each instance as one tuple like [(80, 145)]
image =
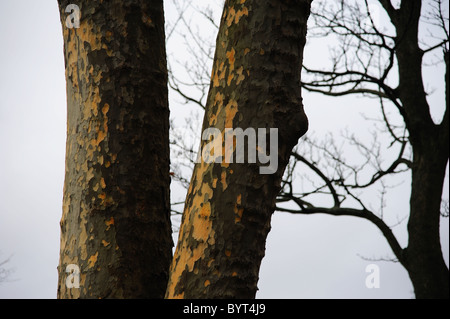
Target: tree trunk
[(115, 225), (255, 84), (423, 257)]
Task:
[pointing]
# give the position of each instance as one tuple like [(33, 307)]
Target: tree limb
[(391, 11), (338, 211), (322, 176)]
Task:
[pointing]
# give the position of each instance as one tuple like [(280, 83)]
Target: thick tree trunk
[(115, 225), (255, 84), (423, 257)]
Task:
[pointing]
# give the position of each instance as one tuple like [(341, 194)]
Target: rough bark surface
[(115, 224), (255, 83)]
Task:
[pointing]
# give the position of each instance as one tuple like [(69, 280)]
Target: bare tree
[(385, 63)]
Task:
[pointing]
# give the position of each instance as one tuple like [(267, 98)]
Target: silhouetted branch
[(361, 213)]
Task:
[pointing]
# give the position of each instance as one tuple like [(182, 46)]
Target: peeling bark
[(255, 83), (115, 224)]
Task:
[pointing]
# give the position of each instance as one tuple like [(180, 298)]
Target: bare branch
[(337, 211), (388, 259), (322, 176), (177, 89), (391, 11), (441, 44)]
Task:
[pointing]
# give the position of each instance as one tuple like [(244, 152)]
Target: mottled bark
[(115, 224), (255, 84)]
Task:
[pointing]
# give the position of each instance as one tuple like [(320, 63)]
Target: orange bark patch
[(223, 180), (237, 210), (218, 100), (105, 109), (218, 74), (202, 226), (109, 222), (240, 14), (101, 134), (235, 16), (230, 78), (216, 82), (231, 16), (92, 260), (231, 58), (230, 112), (240, 76)]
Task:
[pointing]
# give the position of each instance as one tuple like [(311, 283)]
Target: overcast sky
[(306, 257)]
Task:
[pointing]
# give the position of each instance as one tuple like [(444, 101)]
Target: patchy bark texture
[(255, 83), (115, 224)]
